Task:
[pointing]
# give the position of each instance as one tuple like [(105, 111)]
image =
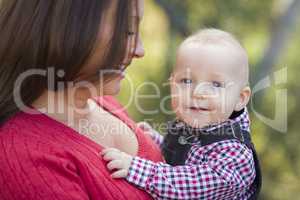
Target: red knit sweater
[(41, 158)]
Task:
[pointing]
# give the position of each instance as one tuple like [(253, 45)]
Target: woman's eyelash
[(130, 33)]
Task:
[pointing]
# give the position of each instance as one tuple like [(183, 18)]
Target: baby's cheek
[(224, 109), (219, 117), (220, 110), (180, 98), (216, 103), (177, 106)]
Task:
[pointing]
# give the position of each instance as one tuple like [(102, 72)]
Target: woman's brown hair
[(38, 34)]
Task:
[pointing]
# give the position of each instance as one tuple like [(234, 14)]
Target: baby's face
[(206, 83)]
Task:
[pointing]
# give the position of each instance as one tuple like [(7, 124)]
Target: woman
[(59, 60)]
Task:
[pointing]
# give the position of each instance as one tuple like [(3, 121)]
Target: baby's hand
[(117, 161), (147, 128), (155, 135)]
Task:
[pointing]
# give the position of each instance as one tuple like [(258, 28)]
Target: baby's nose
[(204, 90)]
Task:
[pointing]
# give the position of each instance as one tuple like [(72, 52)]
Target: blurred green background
[(270, 33)]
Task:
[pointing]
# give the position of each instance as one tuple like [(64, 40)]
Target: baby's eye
[(217, 84), (186, 81)]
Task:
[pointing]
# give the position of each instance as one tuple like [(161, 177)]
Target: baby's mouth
[(199, 109)]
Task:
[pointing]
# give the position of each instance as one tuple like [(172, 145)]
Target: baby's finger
[(120, 174), (144, 125), (109, 150), (112, 156), (114, 164)]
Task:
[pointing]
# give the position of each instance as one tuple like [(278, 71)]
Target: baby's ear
[(245, 95)]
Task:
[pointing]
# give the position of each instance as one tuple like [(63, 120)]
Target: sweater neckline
[(103, 102)]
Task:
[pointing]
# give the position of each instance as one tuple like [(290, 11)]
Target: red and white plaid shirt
[(222, 170)]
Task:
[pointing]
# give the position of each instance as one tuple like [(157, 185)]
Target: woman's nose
[(139, 50)]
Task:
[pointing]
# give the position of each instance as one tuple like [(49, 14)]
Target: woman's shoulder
[(37, 134), (34, 164), (25, 134), (33, 144), (18, 124), (25, 125)]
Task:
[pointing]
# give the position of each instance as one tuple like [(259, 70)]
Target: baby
[(208, 148)]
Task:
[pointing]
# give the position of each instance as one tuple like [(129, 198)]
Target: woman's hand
[(118, 161)]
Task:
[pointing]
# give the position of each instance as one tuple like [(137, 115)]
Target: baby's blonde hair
[(212, 36)]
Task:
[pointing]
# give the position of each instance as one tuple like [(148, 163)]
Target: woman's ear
[(245, 95)]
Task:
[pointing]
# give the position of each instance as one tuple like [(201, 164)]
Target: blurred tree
[(280, 30)]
